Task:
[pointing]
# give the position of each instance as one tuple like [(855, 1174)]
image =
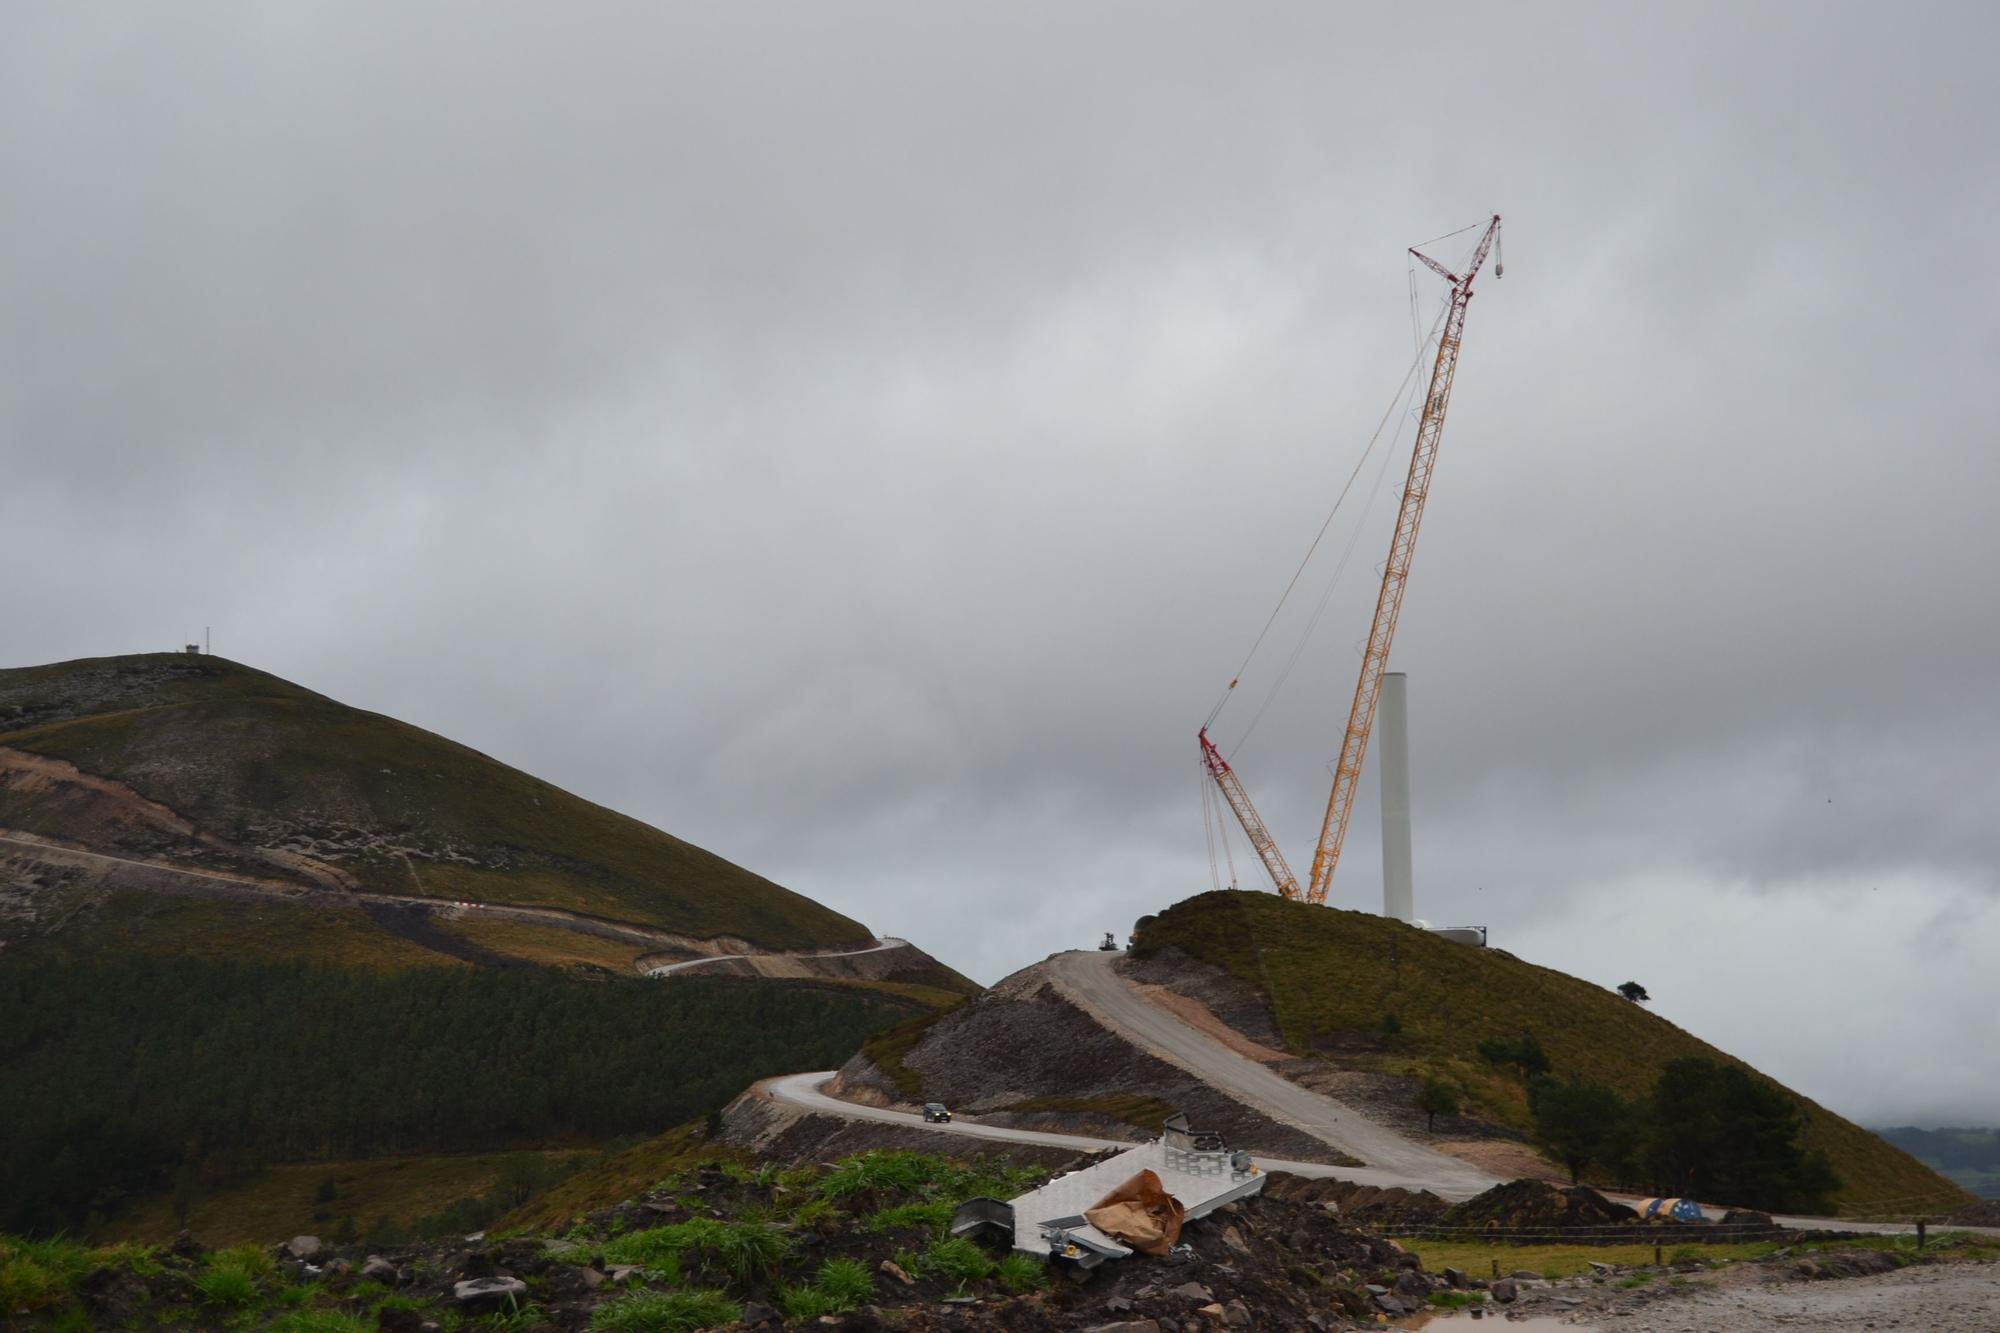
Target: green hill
[(211, 764), (249, 934), (1332, 980)]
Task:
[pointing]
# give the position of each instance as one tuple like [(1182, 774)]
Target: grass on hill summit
[(248, 757), (1330, 976)]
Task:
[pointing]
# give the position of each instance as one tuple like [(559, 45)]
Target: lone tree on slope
[(1435, 1098)]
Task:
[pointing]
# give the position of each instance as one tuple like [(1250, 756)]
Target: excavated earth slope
[(1023, 1055)]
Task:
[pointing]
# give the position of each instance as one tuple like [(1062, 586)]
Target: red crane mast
[(1260, 837)]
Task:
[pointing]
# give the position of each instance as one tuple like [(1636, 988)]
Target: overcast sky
[(863, 439)]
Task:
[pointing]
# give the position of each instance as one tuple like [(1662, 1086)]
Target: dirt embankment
[(52, 801), (1022, 1055), (1224, 1007), (1236, 1007)]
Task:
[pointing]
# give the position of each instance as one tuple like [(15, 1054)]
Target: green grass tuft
[(877, 1171), (749, 1251), (1021, 1272), (840, 1285), (227, 1286), (320, 1321), (846, 1281), (744, 1252), (933, 1215), (818, 1215), (26, 1285), (955, 1259), (665, 1312), (802, 1305)]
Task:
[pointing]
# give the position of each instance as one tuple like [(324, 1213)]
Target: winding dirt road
[(882, 945), (1088, 978), (720, 949)]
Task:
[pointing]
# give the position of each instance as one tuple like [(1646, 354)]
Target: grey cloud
[(863, 439)]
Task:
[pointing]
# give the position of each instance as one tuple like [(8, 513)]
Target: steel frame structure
[(1388, 609), (1396, 570)]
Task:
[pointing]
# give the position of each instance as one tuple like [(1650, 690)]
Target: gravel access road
[(1089, 979), (1945, 1298), (807, 1092), (886, 942), (1950, 1297)]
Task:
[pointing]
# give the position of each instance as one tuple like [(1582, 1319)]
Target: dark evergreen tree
[(1717, 1132), (1582, 1123), (112, 1077)]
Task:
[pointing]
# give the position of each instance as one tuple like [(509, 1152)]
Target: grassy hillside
[(262, 763), (618, 1177), (1333, 979), (373, 1197)]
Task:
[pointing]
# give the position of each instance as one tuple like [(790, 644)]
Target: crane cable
[(1470, 226), (1326, 595), (1401, 391), (1208, 824), (1227, 855)]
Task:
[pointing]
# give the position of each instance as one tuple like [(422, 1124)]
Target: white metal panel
[(1202, 1182)]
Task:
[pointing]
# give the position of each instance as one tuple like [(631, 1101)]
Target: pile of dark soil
[(1359, 1203), (1536, 1205), (1985, 1213)]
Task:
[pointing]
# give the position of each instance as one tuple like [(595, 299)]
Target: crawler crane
[(1388, 607)]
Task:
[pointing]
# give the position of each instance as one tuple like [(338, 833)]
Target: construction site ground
[(1100, 1005)]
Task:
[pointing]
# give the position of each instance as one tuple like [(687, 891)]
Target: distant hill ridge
[(1970, 1157), (237, 775)]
